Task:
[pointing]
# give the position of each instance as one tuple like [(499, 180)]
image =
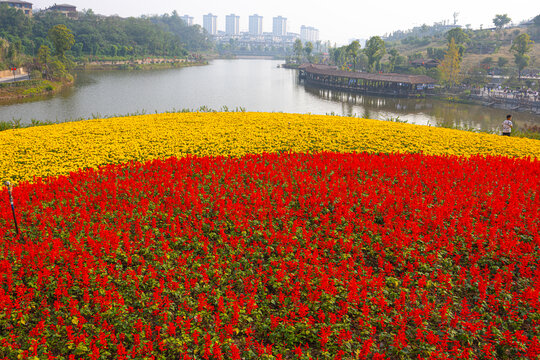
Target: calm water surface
[(256, 85)]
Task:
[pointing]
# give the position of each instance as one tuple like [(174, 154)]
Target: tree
[(501, 21), (43, 59), (394, 57), (436, 53), (520, 47), (501, 62), (298, 49), (375, 50), (12, 52), (14, 22), (77, 49), (338, 55), (450, 66), (476, 77), (459, 36), (486, 62), (353, 51), (415, 56), (58, 71), (536, 20), (44, 55), (62, 39), (308, 49), (4, 45), (113, 50)]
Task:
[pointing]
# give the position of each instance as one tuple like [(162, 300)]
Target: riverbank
[(256, 85), (418, 86), (142, 64), (35, 90), (513, 105), (22, 91), (290, 66)]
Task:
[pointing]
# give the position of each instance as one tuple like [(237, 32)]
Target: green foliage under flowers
[(291, 256)]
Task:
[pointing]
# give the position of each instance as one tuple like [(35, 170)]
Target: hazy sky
[(337, 20)]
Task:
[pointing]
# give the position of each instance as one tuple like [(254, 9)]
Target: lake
[(254, 85)]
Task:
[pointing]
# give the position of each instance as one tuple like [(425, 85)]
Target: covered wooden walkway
[(388, 84)]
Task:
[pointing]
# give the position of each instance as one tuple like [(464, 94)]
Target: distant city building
[(279, 26), (210, 23), (308, 33), (255, 25), (232, 24), (187, 19), (24, 6), (68, 10), (265, 44)]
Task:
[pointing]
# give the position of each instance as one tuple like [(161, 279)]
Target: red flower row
[(290, 256)]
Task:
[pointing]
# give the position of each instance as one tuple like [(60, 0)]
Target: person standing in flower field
[(507, 126)]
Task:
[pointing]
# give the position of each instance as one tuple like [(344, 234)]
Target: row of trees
[(55, 65), (353, 57), (302, 51), (450, 66), (165, 35), (481, 42), (50, 62)]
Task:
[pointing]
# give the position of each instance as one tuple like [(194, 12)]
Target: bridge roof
[(385, 77)]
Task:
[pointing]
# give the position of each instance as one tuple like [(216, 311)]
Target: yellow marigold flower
[(60, 149)]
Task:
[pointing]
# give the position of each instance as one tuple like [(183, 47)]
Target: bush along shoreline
[(39, 88), (36, 89), (138, 63)]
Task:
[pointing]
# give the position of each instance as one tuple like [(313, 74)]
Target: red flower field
[(291, 256)]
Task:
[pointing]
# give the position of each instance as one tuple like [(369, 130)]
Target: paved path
[(508, 95), (10, 79)]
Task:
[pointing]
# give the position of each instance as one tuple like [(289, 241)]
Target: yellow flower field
[(60, 149)]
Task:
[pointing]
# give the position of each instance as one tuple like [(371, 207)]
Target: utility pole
[(10, 193)]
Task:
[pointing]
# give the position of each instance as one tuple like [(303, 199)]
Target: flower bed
[(276, 256), (60, 149)]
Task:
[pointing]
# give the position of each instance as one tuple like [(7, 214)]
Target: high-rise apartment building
[(255, 25), (279, 26), (308, 33), (232, 24), (187, 19), (210, 23)]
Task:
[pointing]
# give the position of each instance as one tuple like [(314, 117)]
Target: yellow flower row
[(60, 149)]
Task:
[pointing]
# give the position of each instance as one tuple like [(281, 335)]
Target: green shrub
[(36, 74)]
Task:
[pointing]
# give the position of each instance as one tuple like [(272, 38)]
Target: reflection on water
[(423, 111), (256, 85)]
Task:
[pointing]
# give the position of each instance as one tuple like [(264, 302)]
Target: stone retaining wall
[(7, 73)]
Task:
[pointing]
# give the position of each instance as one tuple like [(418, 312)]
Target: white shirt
[(507, 126)]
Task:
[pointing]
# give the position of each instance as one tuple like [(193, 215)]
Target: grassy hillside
[(483, 44)]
